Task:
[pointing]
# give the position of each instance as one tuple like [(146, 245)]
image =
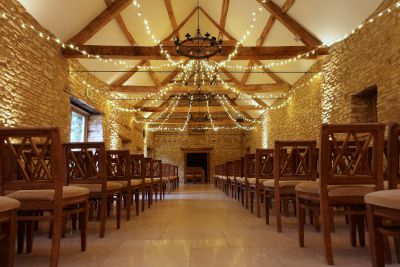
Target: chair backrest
[(237, 168), (351, 154), (393, 150), (118, 166), (138, 167), (157, 168), (229, 168), (148, 163), (86, 163), (31, 158), (167, 169), (295, 160), (264, 164), (249, 166)]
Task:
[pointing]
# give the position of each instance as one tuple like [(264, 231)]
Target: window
[(79, 125)]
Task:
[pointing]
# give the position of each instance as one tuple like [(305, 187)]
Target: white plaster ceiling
[(326, 19)]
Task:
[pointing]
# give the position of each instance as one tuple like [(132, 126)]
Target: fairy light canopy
[(259, 59)]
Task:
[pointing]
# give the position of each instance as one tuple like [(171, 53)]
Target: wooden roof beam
[(172, 34), (126, 76), (153, 52), (99, 22), (171, 16), (251, 89), (213, 109), (122, 25), (221, 29), (292, 25), (224, 14)]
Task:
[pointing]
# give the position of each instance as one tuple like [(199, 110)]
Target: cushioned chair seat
[(134, 182), (96, 188), (240, 179), (253, 180), (48, 194), (282, 184), (336, 190), (231, 177), (7, 204), (386, 198), (147, 180), (223, 177), (386, 185)]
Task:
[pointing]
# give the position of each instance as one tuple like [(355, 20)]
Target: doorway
[(198, 160)]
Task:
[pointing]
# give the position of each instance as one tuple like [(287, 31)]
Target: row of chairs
[(42, 179), (353, 172)]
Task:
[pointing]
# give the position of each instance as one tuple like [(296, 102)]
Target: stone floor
[(197, 226)]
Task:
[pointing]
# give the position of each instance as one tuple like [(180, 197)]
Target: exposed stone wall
[(369, 57), (226, 145), (36, 83)]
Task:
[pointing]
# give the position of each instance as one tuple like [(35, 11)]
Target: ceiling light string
[(184, 127), (313, 52), (231, 117), (169, 114), (150, 32), (239, 114), (210, 116)]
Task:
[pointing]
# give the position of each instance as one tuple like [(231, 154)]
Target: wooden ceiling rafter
[(171, 16), (153, 75), (202, 109), (110, 13), (248, 89), (122, 25), (246, 75), (126, 76), (224, 14), (153, 52), (221, 29), (291, 24), (179, 27)]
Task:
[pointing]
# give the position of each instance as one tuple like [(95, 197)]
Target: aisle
[(197, 226)]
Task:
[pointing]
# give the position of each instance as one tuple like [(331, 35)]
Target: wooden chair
[(230, 179), (383, 207), (237, 178), (263, 167), (294, 162), (87, 168), (198, 175), (32, 171), (350, 167), (158, 180), (241, 182), (189, 175), (176, 176), (150, 183), (8, 226), (249, 175), (138, 175), (119, 170)]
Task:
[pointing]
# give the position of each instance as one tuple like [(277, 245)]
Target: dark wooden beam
[(291, 24), (126, 76), (99, 22), (213, 109), (224, 14), (254, 88), (122, 25), (153, 52), (171, 16), (230, 37), (172, 34)]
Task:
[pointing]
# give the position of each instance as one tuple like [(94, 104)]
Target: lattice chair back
[(86, 164), (148, 163), (351, 154), (229, 168), (249, 166), (118, 166), (138, 170), (237, 168), (393, 150), (30, 159), (157, 169), (295, 160), (264, 163)]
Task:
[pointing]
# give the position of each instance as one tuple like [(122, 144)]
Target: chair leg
[(326, 231), (258, 202), (102, 211), (119, 201), (376, 239), (30, 230), (128, 201), (266, 206), (56, 238), (300, 219), (137, 201), (7, 246), (83, 222), (278, 210)]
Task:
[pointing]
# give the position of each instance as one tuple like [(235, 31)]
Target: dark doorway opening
[(198, 160)]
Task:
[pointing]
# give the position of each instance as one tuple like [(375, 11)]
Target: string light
[(210, 116), (231, 117), (239, 114), (177, 99)]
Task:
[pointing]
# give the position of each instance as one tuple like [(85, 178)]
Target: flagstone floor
[(197, 225)]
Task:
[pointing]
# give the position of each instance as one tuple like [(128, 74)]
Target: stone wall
[(371, 57), (225, 145), (36, 84)]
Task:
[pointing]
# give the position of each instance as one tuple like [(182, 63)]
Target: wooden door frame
[(204, 150)]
